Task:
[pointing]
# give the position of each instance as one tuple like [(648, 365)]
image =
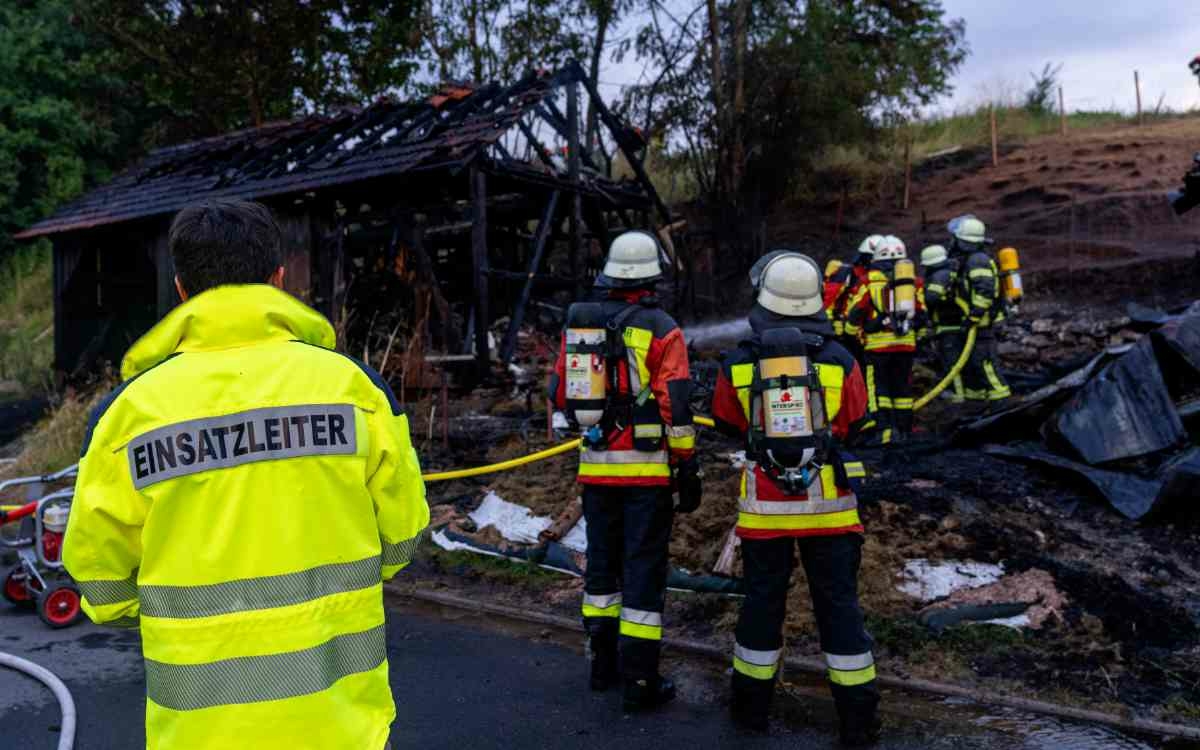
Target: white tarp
[(928, 581), (516, 523)]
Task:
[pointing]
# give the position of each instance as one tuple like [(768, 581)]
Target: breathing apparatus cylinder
[(793, 408), (904, 293), (586, 372), (1010, 275)]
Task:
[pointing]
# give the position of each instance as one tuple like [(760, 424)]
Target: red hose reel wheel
[(59, 605), (15, 590)]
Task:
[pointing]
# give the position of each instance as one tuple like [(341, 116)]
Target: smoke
[(712, 335)]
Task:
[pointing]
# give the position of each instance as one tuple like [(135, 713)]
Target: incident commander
[(243, 494)]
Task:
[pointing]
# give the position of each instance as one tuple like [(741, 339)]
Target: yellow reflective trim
[(594, 611), (754, 670), (645, 632), (823, 521), (855, 469), (637, 338), (831, 378), (829, 482), (742, 375), (978, 273), (852, 678), (872, 404), (682, 443), (624, 470), (648, 430), (885, 402)]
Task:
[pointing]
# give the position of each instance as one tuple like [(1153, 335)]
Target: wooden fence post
[(1062, 113), (1137, 87), (908, 143), (995, 137)]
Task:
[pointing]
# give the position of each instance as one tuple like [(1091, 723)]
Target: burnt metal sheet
[(388, 138), (1124, 412)]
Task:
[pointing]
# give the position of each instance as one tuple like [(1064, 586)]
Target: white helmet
[(934, 255), (969, 230), (792, 286), (870, 244), (634, 259), (890, 248)]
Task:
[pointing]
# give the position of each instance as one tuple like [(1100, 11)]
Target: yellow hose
[(570, 445), (954, 371)]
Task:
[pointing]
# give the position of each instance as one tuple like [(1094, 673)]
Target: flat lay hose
[(66, 732)]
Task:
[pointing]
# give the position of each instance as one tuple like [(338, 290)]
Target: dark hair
[(222, 241)]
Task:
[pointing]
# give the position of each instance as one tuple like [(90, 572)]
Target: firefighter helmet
[(890, 247), (634, 259), (832, 267), (969, 230), (760, 265), (933, 256), (792, 286), (868, 246)]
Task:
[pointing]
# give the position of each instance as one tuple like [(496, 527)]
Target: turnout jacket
[(642, 445), (830, 506), (978, 289), (838, 290), (946, 313), (870, 305), (243, 494)]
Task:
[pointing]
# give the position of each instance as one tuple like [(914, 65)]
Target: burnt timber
[(480, 195)]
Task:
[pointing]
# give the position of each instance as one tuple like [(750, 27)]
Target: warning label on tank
[(579, 377), (788, 415)]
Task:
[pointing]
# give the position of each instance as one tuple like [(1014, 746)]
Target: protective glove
[(877, 325), (687, 484)]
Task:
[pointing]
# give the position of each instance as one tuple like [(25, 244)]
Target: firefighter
[(796, 395), (622, 376), (944, 314), (889, 337), (977, 292), (243, 494), (849, 279)]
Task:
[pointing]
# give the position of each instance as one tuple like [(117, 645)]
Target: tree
[(65, 123), (755, 90), (1039, 99), (216, 66)]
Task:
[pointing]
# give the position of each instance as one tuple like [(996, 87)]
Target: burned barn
[(428, 221)]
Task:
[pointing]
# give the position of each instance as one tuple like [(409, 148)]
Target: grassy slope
[(26, 320)]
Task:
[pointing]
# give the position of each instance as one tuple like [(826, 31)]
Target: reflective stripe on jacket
[(830, 505), (656, 365), (978, 289), (243, 494)]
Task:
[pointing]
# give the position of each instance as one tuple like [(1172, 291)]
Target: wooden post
[(1062, 113), (995, 137), (1137, 89), (539, 248), (907, 169), (575, 218), (479, 258)]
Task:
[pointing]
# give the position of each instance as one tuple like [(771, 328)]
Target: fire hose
[(968, 346), (66, 732)]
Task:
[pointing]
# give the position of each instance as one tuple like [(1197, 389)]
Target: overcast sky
[(1099, 43)]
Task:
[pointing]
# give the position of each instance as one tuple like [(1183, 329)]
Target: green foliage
[(213, 67), (26, 319), (492, 569), (62, 118), (1039, 99)]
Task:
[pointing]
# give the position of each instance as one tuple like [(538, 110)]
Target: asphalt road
[(462, 682)]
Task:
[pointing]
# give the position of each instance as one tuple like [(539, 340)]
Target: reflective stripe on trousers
[(602, 605), (759, 665), (640, 623), (850, 670)]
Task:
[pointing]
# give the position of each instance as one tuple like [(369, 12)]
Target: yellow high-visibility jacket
[(244, 493)]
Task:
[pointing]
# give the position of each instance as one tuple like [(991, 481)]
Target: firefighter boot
[(646, 694), (605, 672), (860, 730), (751, 704)]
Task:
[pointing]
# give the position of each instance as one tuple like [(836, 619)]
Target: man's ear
[(183, 295), (276, 279)]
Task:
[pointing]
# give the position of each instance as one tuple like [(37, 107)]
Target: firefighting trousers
[(628, 534), (949, 348), (981, 381), (831, 565), (890, 391)]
